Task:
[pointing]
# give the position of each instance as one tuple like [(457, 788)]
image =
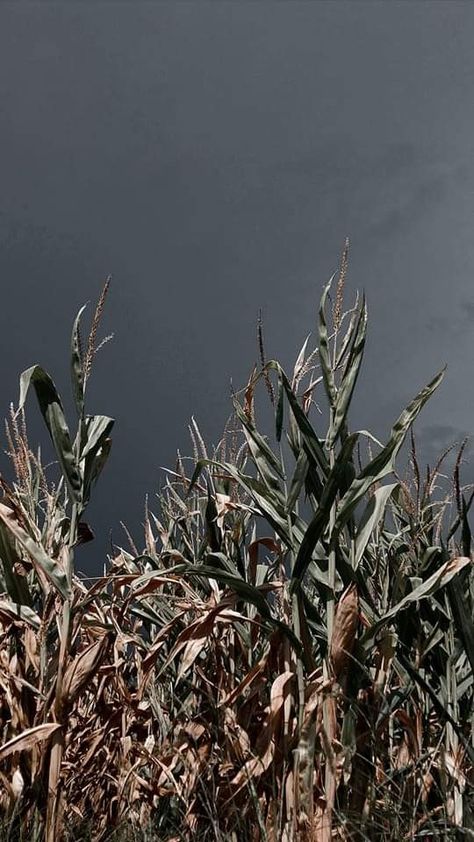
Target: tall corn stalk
[(48, 538)]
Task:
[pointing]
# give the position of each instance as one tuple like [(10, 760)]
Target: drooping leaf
[(36, 551), (271, 505), (20, 612), (433, 584), (98, 428), (82, 669), (94, 464), (17, 586), (53, 414), (244, 591), (95, 451), (28, 739)]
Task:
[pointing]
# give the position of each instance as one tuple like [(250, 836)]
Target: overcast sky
[(212, 157)]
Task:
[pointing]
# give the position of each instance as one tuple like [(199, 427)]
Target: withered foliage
[(291, 656)]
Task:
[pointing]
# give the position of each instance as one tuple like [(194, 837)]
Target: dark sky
[(212, 157)]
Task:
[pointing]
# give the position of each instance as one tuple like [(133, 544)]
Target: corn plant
[(44, 665), (290, 654), (342, 661)]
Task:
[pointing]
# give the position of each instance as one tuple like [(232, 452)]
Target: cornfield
[(288, 656)]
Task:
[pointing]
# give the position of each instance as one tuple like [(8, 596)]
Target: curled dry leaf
[(254, 767), (28, 739), (43, 564), (83, 667), (345, 627)]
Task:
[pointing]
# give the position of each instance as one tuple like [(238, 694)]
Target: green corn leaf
[(98, 428), (300, 359), (321, 519), (53, 414), (433, 584), (461, 517), (246, 592), (371, 518), (384, 462), (317, 572), (462, 616), (346, 389), (313, 485), (279, 411), (94, 464), (311, 440), (440, 708), (77, 370), (265, 473), (17, 586), (271, 505), (213, 533), (96, 450), (349, 333), (464, 686), (223, 563), (324, 353), (466, 537), (265, 460), (36, 551), (297, 481)]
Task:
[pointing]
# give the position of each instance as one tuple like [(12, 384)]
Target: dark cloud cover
[(212, 157)]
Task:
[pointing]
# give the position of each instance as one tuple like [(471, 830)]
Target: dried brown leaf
[(83, 667), (28, 739), (345, 627)]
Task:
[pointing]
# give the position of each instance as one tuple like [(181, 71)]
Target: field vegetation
[(288, 655)]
